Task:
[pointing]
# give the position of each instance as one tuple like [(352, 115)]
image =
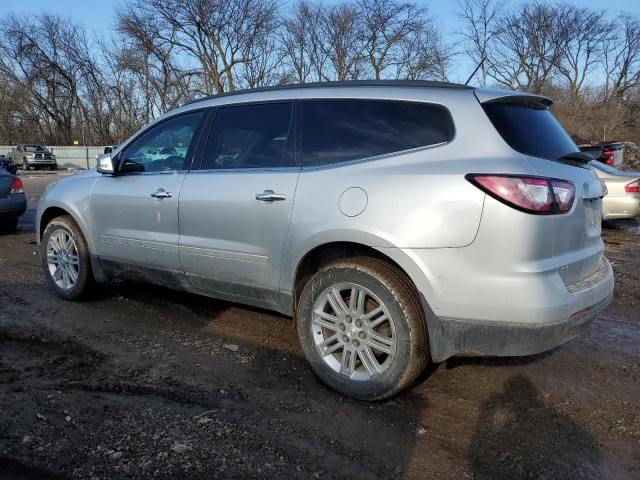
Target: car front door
[(135, 211), (235, 209)]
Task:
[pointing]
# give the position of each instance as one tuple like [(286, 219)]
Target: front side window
[(336, 131), (164, 147), (251, 136)]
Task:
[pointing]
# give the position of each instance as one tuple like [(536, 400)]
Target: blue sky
[(97, 15)]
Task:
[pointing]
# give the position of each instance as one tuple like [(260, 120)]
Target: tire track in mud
[(50, 375)]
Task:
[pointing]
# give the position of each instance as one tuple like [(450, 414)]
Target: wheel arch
[(54, 211), (320, 254)]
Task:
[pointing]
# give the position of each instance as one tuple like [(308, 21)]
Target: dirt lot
[(138, 383)]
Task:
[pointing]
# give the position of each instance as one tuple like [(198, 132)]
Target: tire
[(404, 337), (77, 255), (9, 226), (26, 166)]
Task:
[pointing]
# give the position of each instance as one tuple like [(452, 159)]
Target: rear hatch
[(528, 127)]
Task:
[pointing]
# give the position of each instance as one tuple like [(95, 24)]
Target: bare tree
[(422, 54), (44, 55), (301, 43), (386, 24), (527, 48), (581, 35), (621, 57), (219, 34), (341, 33), (481, 23), (151, 58)]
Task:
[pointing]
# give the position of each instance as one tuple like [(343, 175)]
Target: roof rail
[(346, 83)]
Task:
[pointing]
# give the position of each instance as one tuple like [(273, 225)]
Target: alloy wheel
[(353, 331), (63, 259)]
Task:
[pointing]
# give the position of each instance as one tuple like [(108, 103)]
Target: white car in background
[(623, 199)]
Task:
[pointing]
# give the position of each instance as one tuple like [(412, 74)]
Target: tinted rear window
[(341, 130), (530, 130)]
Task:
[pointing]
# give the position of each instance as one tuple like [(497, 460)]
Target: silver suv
[(397, 222)]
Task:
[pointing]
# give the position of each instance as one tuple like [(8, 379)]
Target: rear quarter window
[(530, 129), (335, 131)]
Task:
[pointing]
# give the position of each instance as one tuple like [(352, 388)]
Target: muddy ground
[(138, 383)]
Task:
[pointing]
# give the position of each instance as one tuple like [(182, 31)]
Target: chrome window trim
[(247, 170), (376, 157), (168, 172)]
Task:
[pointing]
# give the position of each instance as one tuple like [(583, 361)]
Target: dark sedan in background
[(7, 164), (13, 201)]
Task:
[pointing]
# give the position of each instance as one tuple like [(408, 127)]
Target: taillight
[(608, 157), (545, 196), (16, 186), (633, 187)]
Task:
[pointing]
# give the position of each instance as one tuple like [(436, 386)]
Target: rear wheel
[(362, 328), (65, 259)]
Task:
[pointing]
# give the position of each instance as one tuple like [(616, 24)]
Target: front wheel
[(362, 328), (65, 259), (25, 165), (9, 226)]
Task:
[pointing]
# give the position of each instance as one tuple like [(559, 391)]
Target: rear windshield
[(530, 130)]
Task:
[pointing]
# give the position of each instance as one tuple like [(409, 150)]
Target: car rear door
[(235, 208), (135, 212)]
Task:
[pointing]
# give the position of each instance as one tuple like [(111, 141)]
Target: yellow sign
[(76, 142)]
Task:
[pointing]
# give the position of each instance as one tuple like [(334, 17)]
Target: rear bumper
[(505, 339), (621, 207), (471, 310), (13, 206), (584, 300)]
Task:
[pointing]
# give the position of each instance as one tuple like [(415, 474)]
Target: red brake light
[(539, 195), (633, 187), (608, 157), (16, 186)]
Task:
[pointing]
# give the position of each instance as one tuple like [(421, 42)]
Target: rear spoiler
[(490, 95)]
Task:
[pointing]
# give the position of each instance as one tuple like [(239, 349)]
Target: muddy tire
[(362, 328), (65, 259)]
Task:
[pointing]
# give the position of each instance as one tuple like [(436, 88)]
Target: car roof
[(340, 84)]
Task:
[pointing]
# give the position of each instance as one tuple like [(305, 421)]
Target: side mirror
[(105, 164)]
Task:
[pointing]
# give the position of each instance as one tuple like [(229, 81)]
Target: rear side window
[(251, 136), (530, 130), (336, 131)]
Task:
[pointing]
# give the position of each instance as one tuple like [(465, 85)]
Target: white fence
[(67, 156)]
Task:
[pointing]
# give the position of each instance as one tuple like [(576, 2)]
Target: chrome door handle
[(270, 196), (160, 193)]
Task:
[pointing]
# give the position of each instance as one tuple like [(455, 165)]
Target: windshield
[(604, 167), (529, 129), (35, 148)]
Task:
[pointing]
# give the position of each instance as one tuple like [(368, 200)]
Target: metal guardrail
[(68, 156)]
